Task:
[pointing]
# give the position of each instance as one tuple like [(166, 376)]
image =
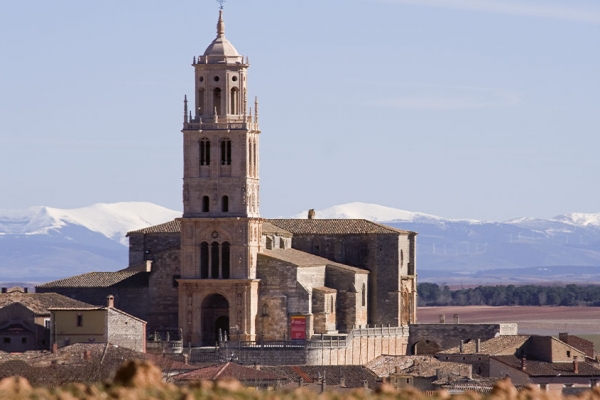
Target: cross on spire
[(221, 3)]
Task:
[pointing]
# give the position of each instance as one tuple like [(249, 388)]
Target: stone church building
[(222, 270)]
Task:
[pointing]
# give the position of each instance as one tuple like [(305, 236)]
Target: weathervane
[(221, 3)]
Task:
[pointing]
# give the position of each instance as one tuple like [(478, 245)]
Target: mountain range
[(39, 244)]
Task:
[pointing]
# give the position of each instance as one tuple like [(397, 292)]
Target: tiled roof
[(333, 226), (168, 227), (541, 368), (268, 227), (228, 370), (303, 259), (101, 279), (296, 257), (429, 367), (292, 226), (354, 375), (39, 303), (491, 346)]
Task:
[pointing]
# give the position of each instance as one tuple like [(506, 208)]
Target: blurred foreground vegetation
[(143, 380)]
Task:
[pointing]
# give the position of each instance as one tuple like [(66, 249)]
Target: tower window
[(201, 79), (214, 260), (225, 252), (217, 100), (234, 78), (226, 152), (79, 320), (200, 101), (233, 109), (205, 204), (216, 78), (225, 204), (204, 151), (204, 260)]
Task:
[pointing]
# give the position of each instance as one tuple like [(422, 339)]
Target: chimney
[(456, 320), (323, 385), (311, 213), (4, 290), (186, 358), (478, 346), (523, 362), (365, 384), (343, 382), (461, 347), (575, 365), (87, 355), (54, 348), (397, 369), (442, 319), (110, 301), (148, 265), (300, 382)]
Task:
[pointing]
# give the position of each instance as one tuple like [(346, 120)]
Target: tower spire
[(221, 23), (185, 109)]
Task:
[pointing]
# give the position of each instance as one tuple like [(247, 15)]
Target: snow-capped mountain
[(566, 247), (42, 243)]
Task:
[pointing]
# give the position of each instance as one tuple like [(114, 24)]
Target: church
[(221, 271)]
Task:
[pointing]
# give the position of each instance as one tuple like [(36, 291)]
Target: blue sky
[(484, 109)]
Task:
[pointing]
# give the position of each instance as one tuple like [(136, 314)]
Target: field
[(581, 321)]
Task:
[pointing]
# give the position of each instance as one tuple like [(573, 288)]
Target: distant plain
[(532, 320)]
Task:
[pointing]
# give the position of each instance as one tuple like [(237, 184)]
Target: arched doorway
[(214, 316)]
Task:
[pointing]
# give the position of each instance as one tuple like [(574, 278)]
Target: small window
[(79, 320), (568, 353), (47, 323), (6, 340), (225, 204), (24, 340), (205, 204), (175, 283)]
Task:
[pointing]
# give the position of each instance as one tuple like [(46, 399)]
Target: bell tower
[(221, 225)]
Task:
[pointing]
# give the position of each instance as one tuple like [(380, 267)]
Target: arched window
[(204, 151), (233, 108), (204, 260), (225, 204), (217, 100), (225, 257), (214, 260), (205, 204), (200, 101), (226, 152)]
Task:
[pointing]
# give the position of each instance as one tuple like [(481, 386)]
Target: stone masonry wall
[(126, 331), (145, 246), (364, 346), (163, 292)]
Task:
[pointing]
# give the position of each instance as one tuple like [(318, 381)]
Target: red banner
[(298, 327)]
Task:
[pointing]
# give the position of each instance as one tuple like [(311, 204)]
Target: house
[(248, 376), (92, 324), (542, 360), (25, 319)]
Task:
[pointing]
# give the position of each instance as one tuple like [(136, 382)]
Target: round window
[(216, 79), (201, 79), (234, 78)]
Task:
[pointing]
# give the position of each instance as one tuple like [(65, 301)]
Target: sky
[(482, 109)]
